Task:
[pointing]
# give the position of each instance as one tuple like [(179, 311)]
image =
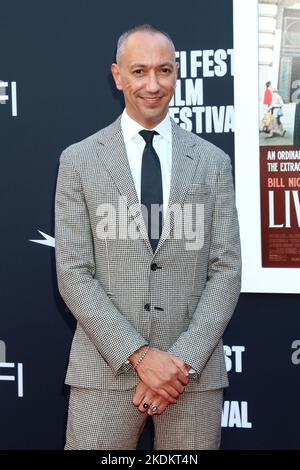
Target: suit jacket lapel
[(184, 164), (115, 159)]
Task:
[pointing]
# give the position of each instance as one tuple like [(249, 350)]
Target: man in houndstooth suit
[(149, 323)]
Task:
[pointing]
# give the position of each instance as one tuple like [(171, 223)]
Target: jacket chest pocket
[(198, 192)]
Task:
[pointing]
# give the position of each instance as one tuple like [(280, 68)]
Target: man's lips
[(151, 99)]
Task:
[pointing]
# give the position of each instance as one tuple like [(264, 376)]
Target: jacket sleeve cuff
[(126, 366)]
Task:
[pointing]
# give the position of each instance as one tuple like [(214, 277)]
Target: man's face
[(146, 73)]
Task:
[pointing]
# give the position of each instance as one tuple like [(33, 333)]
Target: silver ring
[(153, 407)]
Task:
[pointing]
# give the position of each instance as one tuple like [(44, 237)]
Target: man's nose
[(152, 83)]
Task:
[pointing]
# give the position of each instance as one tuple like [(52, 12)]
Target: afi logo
[(8, 93), (10, 371)]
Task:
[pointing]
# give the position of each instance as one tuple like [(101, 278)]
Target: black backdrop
[(58, 55)]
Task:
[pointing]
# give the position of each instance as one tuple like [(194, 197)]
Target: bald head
[(145, 28)]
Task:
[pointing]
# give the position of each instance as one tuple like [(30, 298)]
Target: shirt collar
[(131, 128)]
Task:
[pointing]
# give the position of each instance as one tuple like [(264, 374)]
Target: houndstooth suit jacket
[(122, 294)]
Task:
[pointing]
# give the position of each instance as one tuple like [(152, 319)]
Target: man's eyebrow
[(133, 66), (165, 64)]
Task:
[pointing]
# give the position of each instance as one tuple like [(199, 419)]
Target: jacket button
[(154, 267), (147, 307)]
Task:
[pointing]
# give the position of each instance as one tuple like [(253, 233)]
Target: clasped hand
[(163, 378)]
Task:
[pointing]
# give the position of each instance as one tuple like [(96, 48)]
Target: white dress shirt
[(135, 145)]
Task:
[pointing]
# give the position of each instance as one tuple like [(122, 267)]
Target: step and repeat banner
[(56, 89)]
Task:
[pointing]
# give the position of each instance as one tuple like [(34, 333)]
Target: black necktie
[(151, 189)]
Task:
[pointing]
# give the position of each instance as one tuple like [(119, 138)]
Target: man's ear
[(117, 76)]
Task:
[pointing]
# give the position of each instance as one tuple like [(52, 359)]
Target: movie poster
[(279, 132)]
